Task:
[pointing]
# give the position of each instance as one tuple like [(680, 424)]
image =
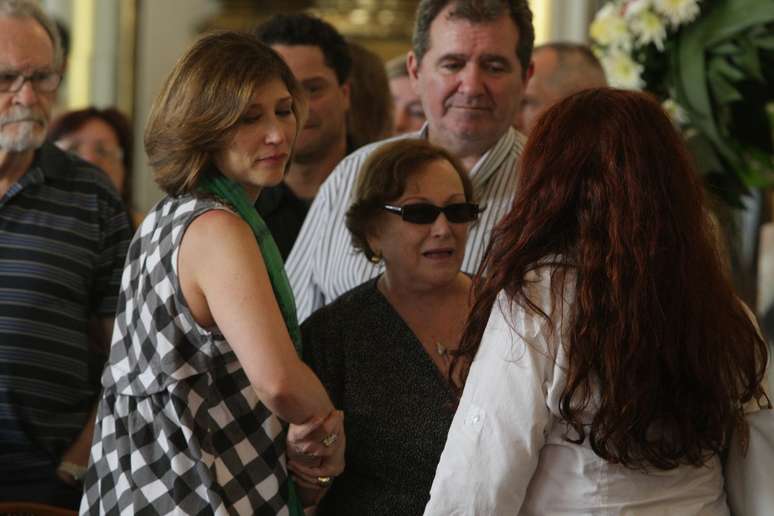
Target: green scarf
[(232, 193)]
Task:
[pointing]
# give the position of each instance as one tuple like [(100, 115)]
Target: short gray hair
[(477, 11), (29, 9)]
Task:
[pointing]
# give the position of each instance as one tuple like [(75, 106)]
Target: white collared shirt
[(506, 452), (323, 264)]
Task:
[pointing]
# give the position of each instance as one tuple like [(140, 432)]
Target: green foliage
[(713, 61), (721, 71)]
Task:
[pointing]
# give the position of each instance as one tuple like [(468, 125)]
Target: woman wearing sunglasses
[(382, 349)]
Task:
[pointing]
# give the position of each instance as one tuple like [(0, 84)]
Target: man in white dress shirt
[(469, 65)]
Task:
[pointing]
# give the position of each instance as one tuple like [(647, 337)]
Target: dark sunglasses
[(426, 213)]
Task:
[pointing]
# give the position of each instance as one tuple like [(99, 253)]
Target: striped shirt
[(323, 264), (63, 238)]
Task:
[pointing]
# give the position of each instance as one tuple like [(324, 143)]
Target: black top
[(397, 405), (284, 213)]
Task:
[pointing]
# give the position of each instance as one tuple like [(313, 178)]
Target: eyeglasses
[(426, 213), (100, 150), (41, 81)]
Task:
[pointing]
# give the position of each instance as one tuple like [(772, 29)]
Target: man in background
[(408, 115), (469, 65), (370, 102), (63, 239), (320, 59), (559, 70)]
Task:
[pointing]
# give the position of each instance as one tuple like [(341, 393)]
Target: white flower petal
[(609, 29), (622, 71), (648, 27), (675, 111), (679, 12), (635, 7)]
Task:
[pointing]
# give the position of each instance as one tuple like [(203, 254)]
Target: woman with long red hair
[(606, 357)]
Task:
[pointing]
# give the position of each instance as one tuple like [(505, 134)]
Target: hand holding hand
[(312, 441), (316, 454)]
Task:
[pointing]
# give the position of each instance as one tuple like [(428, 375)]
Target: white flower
[(678, 11), (635, 7), (675, 111), (609, 28), (649, 28), (609, 9), (622, 71)]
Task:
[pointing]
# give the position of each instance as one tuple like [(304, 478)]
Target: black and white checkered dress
[(179, 427)]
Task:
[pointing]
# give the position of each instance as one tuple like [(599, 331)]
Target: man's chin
[(22, 142), (477, 128), (308, 152), (478, 134)]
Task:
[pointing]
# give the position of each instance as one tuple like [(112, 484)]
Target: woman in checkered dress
[(202, 369)]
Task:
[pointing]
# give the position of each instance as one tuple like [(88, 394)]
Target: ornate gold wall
[(383, 26)]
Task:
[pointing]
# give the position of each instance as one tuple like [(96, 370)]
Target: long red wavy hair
[(658, 342)]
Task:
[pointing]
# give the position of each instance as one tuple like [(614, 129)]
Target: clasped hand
[(316, 454)]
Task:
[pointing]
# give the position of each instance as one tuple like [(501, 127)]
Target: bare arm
[(225, 282), (100, 331), (78, 452)]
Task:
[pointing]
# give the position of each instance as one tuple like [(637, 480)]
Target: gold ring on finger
[(330, 439)]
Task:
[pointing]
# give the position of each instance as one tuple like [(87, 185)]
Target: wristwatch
[(74, 470)]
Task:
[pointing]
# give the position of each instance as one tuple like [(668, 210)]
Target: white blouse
[(506, 452)]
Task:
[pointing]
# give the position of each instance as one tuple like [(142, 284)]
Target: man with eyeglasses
[(63, 239), (469, 65)]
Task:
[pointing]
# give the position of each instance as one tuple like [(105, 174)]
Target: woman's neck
[(402, 295), (436, 316)]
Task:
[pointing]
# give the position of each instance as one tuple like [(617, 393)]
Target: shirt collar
[(492, 159), (35, 174), (50, 162)]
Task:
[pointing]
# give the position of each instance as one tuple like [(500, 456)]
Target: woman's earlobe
[(373, 246)]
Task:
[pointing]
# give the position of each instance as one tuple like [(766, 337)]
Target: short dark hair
[(383, 179), (72, 121), (476, 11), (202, 101), (303, 29)]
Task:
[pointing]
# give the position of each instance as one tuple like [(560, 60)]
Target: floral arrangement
[(712, 64)]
